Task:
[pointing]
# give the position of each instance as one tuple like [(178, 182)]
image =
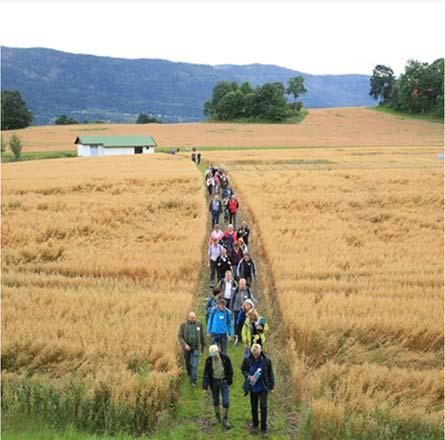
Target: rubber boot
[(217, 414), (225, 422)]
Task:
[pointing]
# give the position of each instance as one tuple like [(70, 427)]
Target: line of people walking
[(230, 312)]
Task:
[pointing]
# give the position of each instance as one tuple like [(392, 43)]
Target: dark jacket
[(208, 371), (241, 270), (220, 207), (244, 234), (239, 296), (183, 335), (223, 264), (267, 375), (236, 257)]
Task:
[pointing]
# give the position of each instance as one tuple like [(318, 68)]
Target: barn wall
[(116, 151), (83, 150), (148, 150)]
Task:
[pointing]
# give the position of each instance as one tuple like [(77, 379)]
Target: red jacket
[(233, 206)]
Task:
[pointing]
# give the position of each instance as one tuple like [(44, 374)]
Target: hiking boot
[(225, 422), (217, 415), (254, 430), (264, 434)]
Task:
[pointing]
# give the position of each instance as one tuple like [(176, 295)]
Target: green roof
[(117, 141)]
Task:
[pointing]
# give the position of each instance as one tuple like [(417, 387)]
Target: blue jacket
[(220, 322)]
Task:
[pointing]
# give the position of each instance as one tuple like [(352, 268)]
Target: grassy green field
[(36, 155), (403, 115)]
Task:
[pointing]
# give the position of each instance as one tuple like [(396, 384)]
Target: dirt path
[(194, 411)]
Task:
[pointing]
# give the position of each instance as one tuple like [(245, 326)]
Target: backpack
[(227, 315)]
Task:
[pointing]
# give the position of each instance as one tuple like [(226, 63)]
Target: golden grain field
[(354, 240), (334, 127), (99, 268)]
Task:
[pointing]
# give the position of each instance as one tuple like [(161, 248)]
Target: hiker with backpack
[(218, 375), (191, 338), (247, 269), (240, 294), (227, 286), (233, 206), (212, 301), (214, 252), (248, 305), (254, 330), (229, 237), (220, 325), (215, 208), (259, 381)]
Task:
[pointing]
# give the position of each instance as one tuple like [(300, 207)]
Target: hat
[(248, 301), (213, 350), (262, 321)]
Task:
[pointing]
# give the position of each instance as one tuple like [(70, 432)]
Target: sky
[(318, 37)]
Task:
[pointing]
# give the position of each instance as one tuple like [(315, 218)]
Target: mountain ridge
[(91, 87)]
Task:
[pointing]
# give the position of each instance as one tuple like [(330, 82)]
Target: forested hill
[(115, 89)]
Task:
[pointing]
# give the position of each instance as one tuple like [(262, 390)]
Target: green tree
[(269, 102), (65, 120), (382, 81), (296, 87), (230, 106), (246, 88), (143, 118), (413, 84), (15, 113), (15, 145)]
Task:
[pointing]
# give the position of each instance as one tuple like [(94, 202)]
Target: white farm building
[(114, 145)]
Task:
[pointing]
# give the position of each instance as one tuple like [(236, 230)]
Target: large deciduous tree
[(15, 113), (296, 87), (382, 81)]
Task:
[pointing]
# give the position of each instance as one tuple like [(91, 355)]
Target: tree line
[(420, 89), (231, 101)]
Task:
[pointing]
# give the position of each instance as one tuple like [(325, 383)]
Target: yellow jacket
[(246, 334)]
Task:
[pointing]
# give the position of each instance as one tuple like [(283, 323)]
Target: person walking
[(229, 237), (236, 255), (214, 252), (240, 294), (243, 246), (215, 208), (220, 325), (227, 286), (216, 233), (223, 264), (254, 330), (191, 338), (212, 301), (242, 315), (218, 375), (209, 183), (259, 377), (198, 158), (233, 206), (244, 233), (247, 269)]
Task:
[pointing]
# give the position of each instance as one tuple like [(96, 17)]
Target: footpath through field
[(194, 412)]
